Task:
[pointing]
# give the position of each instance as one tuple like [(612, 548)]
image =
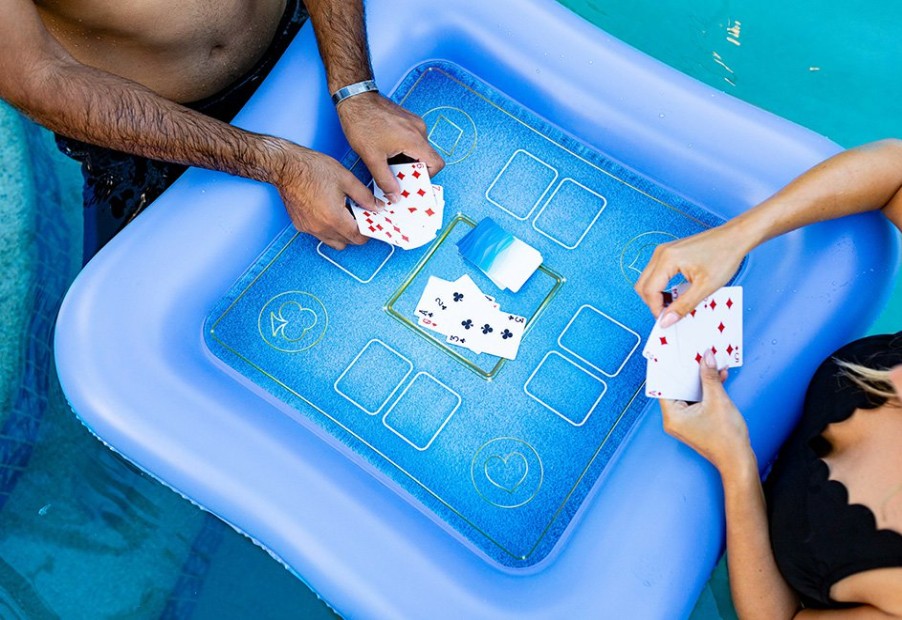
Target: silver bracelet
[(366, 86)]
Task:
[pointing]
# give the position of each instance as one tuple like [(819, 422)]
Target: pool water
[(84, 535)]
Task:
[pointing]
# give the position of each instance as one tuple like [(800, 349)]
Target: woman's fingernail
[(669, 319), (710, 362)]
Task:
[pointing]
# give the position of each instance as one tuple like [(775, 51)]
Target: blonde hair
[(874, 382)]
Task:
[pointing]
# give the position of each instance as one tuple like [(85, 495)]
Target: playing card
[(672, 380), (503, 336), (469, 318), (674, 354), (417, 206), (716, 325), (442, 302), (411, 222), (657, 333)]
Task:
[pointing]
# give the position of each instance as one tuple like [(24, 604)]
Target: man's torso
[(185, 50)]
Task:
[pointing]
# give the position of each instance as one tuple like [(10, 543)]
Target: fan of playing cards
[(674, 353), (411, 222), (468, 318)]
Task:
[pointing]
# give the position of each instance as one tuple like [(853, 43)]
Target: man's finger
[(334, 243), (358, 192), (434, 162), (384, 178)]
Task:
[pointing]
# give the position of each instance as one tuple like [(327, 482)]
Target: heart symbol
[(507, 472)]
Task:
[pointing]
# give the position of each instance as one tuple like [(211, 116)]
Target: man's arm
[(376, 128), (40, 78)]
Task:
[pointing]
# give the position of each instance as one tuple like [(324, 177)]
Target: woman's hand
[(378, 129), (713, 427), (707, 261)]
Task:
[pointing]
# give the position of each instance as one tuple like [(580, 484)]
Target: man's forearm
[(100, 108), (341, 35)]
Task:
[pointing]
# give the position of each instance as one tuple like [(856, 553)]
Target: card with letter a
[(674, 354)]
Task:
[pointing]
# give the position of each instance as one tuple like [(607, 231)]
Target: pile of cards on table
[(468, 318), (411, 222), (674, 354)]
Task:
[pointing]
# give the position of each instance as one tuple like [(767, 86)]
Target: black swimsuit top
[(817, 537)]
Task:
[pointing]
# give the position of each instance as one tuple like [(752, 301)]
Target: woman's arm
[(715, 429), (858, 180)]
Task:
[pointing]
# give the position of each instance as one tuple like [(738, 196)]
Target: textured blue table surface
[(503, 452)]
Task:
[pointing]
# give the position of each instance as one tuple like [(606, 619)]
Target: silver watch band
[(357, 88)]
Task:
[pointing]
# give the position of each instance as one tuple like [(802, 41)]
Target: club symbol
[(487, 329), (467, 324), (458, 296), (507, 334)]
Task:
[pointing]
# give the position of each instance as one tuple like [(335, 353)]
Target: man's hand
[(313, 187), (378, 129), (707, 261)]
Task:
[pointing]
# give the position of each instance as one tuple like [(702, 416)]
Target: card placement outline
[(538, 200), (604, 204), (589, 413), (401, 397), (430, 335), (348, 271), (584, 360), (354, 361)]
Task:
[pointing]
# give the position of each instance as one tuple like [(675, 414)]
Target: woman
[(827, 543)]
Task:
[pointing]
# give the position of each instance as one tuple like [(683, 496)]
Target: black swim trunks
[(118, 186)]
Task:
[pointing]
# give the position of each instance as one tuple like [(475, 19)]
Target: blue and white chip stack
[(505, 259)]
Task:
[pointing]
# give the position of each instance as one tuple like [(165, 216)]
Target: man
[(136, 76)]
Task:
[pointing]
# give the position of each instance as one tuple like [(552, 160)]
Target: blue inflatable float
[(287, 388)]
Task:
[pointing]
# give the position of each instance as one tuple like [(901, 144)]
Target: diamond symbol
[(430, 212), (713, 304), (663, 340), (416, 174), (421, 192), (721, 327), (405, 193), (401, 176), (730, 349), (729, 303), (714, 350), (698, 358)]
